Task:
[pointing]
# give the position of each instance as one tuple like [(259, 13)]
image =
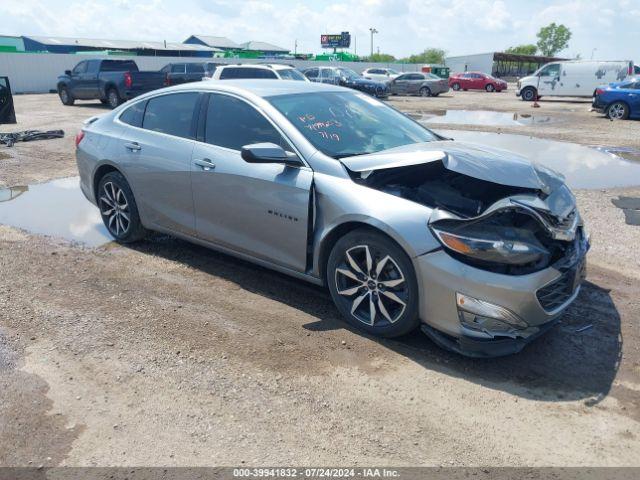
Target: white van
[(572, 79)]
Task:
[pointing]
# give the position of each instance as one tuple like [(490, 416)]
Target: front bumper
[(441, 277)]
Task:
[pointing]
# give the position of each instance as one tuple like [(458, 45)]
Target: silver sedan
[(423, 84), (478, 247)]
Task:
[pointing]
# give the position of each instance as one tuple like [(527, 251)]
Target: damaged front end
[(499, 214), (492, 210)]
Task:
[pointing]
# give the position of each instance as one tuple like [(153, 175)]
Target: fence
[(38, 72)]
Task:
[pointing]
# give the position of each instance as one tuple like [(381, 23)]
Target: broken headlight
[(492, 243)]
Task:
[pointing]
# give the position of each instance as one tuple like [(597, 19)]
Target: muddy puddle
[(583, 167), (479, 117), (57, 208)]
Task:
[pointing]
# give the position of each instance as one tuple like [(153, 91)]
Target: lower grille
[(557, 293)]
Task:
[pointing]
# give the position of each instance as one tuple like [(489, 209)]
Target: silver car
[(480, 248), (423, 84)]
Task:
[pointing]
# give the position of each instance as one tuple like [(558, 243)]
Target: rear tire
[(455, 86), (65, 96), (104, 101), (425, 92), (528, 94), (113, 98), (373, 283), (618, 111), (490, 88), (118, 209)]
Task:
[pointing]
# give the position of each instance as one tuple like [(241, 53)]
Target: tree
[(527, 49), (381, 58), (430, 55), (553, 38)]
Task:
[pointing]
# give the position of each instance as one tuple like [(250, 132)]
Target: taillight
[(167, 80), (630, 70), (599, 91), (128, 81), (79, 137)]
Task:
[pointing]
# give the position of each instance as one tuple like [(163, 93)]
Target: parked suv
[(264, 71), (380, 74), (346, 78), (177, 73), (110, 81), (476, 81)]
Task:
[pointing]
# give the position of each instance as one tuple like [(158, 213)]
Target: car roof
[(261, 87), (266, 66)]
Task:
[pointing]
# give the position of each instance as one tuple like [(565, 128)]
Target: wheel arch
[(328, 240), (100, 172), (108, 86)]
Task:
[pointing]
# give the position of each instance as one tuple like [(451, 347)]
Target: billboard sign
[(342, 40)]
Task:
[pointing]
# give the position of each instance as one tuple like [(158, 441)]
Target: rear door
[(155, 150), (312, 74), (255, 209), (414, 83), (178, 73)]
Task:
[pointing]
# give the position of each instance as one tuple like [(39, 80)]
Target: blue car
[(620, 100), (346, 77)]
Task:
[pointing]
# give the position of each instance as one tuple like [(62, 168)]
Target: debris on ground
[(28, 136)]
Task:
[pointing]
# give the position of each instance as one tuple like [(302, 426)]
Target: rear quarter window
[(240, 73), (171, 114)]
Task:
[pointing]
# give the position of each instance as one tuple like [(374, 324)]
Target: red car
[(476, 81)]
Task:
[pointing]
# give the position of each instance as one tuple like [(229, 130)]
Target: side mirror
[(269, 153), (67, 72)]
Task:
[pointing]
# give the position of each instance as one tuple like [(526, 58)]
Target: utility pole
[(372, 30), (295, 47), (593, 52)]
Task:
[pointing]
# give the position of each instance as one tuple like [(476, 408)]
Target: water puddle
[(479, 117), (583, 167), (628, 153), (57, 208), (630, 206)]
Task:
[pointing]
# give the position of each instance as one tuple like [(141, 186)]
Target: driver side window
[(233, 123), (551, 71), (80, 68)]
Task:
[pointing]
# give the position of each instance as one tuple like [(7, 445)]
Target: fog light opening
[(486, 317)]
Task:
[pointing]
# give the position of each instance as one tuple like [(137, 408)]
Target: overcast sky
[(405, 26)]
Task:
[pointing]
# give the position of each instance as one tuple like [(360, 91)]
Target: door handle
[(205, 164), (133, 146)]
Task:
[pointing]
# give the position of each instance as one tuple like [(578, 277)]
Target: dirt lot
[(170, 354)]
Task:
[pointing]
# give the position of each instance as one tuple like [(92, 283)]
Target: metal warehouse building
[(499, 64), (129, 47)]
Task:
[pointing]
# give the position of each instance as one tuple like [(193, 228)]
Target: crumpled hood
[(478, 161), (364, 82)]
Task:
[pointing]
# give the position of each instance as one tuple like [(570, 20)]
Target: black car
[(177, 73), (346, 78)]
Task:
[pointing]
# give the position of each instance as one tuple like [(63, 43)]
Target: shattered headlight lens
[(510, 246)]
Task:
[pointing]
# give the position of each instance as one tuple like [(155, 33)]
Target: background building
[(498, 64), (129, 47)]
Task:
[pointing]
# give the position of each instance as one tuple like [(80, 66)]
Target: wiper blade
[(354, 154)]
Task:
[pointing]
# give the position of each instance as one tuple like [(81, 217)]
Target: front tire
[(455, 86), (425, 92), (618, 111), (528, 94), (65, 96), (373, 283), (118, 209)]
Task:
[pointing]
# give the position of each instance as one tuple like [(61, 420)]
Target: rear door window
[(233, 123), (133, 115), (171, 114), (177, 68), (312, 73)]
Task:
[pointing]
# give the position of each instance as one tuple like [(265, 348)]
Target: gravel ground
[(169, 354)]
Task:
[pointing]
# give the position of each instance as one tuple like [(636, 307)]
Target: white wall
[(38, 72), (482, 62)]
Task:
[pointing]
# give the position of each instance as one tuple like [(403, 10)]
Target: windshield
[(347, 73), (341, 124), (291, 74)]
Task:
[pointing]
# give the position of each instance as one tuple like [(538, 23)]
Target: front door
[(400, 84), (549, 80), (257, 209)]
